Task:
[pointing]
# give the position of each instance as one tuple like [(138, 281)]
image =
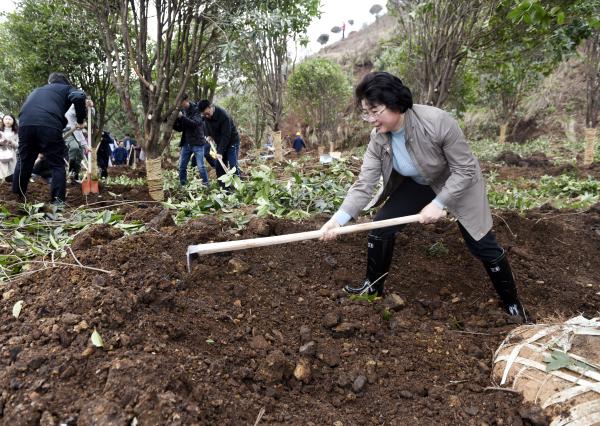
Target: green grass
[(564, 191), (559, 152)]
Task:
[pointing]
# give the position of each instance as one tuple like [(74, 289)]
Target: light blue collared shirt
[(402, 163)]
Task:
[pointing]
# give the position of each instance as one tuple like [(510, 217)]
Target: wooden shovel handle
[(214, 148), (219, 247)]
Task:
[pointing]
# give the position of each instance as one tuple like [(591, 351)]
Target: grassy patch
[(564, 191)]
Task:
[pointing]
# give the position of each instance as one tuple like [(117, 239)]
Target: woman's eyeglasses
[(368, 116)]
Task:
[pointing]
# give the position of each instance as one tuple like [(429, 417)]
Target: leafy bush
[(318, 92)]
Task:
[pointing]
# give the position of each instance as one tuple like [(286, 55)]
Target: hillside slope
[(358, 49)]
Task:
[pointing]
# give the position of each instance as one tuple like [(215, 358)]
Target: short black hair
[(203, 104), (184, 97), (383, 88), (58, 77)]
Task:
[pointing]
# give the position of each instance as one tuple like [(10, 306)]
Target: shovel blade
[(86, 186), (89, 186), (94, 188)]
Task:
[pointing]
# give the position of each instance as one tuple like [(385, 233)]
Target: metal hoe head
[(189, 256)]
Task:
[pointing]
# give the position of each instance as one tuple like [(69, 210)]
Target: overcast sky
[(334, 13), (6, 5)]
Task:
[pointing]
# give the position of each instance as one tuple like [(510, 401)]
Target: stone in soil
[(393, 302), (308, 349), (303, 372), (359, 384), (331, 319), (274, 368), (305, 334)]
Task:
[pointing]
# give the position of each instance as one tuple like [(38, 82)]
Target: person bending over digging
[(42, 119), (427, 168)]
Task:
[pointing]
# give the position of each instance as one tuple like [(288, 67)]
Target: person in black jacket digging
[(191, 125), (41, 121), (222, 129)]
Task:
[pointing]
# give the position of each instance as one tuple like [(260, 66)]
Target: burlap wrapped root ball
[(556, 366), (154, 176)]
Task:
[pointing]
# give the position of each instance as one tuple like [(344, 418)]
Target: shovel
[(88, 185), (201, 249), (212, 147)]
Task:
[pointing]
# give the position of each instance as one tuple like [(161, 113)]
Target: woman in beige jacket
[(427, 168)]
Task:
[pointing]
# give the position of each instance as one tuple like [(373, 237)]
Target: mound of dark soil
[(537, 159), (268, 330)]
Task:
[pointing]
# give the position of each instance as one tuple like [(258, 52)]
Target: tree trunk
[(277, 146), (502, 137), (570, 129), (592, 65), (590, 145)]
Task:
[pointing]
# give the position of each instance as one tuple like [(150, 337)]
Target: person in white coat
[(9, 143)]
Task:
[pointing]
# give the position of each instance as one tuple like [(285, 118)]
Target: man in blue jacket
[(298, 143), (41, 121), (191, 126), (222, 129), (120, 155)]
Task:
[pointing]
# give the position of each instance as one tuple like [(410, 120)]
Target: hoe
[(208, 248)]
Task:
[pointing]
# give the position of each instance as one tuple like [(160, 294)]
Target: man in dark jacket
[(103, 154), (41, 121), (222, 129), (191, 126)]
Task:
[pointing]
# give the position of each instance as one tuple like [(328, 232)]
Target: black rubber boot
[(504, 283), (379, 259)]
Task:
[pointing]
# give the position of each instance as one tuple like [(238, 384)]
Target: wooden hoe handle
[(201, 249)]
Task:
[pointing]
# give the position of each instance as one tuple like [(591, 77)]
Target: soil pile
[(537, 159), (268, 329)]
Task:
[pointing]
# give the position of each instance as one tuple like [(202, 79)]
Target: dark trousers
[(75, 168), (230, 159), (102, 162), (410, 198), (34, 140)]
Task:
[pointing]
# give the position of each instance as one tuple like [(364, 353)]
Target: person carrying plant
[(41, 121), (427, 168), (222, 129)]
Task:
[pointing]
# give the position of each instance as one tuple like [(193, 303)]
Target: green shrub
[(319, 92)]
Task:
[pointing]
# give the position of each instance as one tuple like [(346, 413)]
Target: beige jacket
[(442, 156)]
